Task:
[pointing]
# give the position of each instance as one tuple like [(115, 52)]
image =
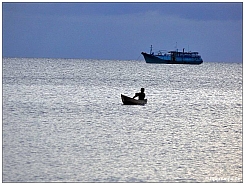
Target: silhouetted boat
[(173, 57), (130, 101)]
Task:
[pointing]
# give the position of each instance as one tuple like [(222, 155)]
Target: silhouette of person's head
[(142, 90)]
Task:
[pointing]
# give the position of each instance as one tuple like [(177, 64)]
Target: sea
[(63, 120)]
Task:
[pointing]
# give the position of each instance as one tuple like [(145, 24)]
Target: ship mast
[(176, 46)]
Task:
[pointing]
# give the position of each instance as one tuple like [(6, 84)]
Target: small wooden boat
[(130, 101)]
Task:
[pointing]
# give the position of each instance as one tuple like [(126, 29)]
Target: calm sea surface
[(63, 121)]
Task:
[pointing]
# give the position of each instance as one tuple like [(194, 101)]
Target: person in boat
[(141, 95)]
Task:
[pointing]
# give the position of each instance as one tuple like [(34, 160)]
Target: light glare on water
[(63, 121)]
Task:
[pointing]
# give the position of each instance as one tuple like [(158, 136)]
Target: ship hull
[(157, 60), (130, 101)]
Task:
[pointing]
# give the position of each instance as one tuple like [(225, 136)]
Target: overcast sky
[(121, 31)]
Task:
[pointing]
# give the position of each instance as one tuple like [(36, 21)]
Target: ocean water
[(63, 121)]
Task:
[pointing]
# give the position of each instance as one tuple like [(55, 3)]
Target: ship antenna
[(151, 50)]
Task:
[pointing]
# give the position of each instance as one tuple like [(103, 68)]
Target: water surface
[(63, 121)]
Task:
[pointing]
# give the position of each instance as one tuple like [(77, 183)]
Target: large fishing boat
[(173, 57)]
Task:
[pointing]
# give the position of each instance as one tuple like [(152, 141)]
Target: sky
[(121, 31)]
